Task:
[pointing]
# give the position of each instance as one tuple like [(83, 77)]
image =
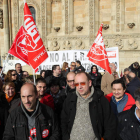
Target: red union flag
[(36, 50), (18, 48), (97, 53)]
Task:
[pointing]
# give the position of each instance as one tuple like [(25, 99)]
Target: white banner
[(59, 57)]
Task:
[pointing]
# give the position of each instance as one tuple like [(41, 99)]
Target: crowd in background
[(82, 106)]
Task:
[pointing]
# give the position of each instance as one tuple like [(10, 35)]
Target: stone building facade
[(73, 24)]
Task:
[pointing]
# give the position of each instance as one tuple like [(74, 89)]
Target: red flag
[(18, 48), (97, 53), (36, 50)]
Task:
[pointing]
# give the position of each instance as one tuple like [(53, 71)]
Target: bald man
[(32, 120), (70, 88), (133, 83), (108, 78)]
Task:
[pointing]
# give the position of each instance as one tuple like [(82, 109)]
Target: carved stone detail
[(117, 15), (1, 18), (105, 26), (132, 44), (56, 29), (106, 43), (55, 46), (66, 45), (79, 45), (67, 37), (66, 16), (79, 28), (91, 21), (118, 42), (131, 25)]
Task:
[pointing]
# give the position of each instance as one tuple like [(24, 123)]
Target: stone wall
[(73, 24)]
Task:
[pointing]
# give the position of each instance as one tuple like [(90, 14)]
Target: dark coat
[(78, 69), (3, 118), (136, 71), (17, 125), (69, 91), (65, 72), (132, 86), (128, 125), (18, 85), (96, 79), (15, 102), (102, 118), (62, 80)]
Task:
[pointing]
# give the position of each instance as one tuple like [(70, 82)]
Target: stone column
[(6, 26), (71, 15)]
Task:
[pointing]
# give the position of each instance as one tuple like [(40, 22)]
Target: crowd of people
[(70, 104)]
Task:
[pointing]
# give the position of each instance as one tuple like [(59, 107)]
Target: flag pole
[(34, 77), (24, 1), (4, 64)]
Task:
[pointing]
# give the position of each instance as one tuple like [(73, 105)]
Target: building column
[(6, 26)]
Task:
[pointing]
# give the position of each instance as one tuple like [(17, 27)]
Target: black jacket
[(132, 86), (96, 79), (69, 91), (128, 125), (78, 69), (102, 118), (17, 125), (62, 80)]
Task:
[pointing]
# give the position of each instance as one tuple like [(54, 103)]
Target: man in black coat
[(135, 67), (56, 76), (32, 120), (129, 121), (79, 67), (87, 113), (133, 83)]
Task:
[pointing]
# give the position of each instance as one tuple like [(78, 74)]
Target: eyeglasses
[(14, 74), (73, 65), (70, 81), (9, 89), (82, 84)]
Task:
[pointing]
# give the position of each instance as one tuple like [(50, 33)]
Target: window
[(32, 9)]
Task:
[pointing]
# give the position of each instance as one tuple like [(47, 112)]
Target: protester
[(95, 77), (119, 99), (70, 88), (12, 77), (129, 121), (31, 120), (65, 69), (126, 71), (2, 75), (108, 78), (133, 83), (42, 74), (58, 96), (87, 114), (79, 67), (18, 69), (56, 76), (43, 97), (72, 66), (135, 67), (25, 74), (9, 98)]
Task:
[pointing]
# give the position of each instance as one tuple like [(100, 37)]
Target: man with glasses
[(87, 115), (70, 88), (25, 74)]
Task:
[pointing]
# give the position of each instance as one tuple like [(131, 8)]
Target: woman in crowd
[(42, 73), (12, 77), (10, 99), (65, 69), (95, 77)]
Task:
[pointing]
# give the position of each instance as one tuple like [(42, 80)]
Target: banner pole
[(34, 77), (4, 64), (24, 1)]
